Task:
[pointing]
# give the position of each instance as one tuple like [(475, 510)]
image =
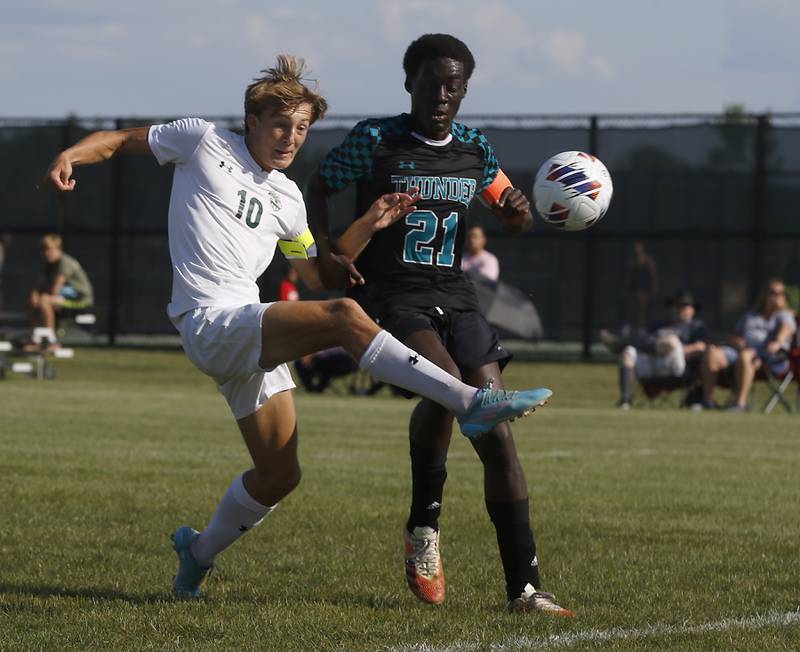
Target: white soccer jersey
[(226, 215)]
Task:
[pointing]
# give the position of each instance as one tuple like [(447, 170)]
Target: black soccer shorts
[(467, 336)]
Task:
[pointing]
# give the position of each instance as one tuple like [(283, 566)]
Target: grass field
[(663, 529)]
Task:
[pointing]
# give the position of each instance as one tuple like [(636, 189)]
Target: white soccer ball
[(572, 190)]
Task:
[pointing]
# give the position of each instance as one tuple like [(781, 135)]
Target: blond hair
[(51, 241), (281, 89)]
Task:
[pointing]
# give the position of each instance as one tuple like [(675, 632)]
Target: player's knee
[(431, 424), (346, 312), (496, 447)]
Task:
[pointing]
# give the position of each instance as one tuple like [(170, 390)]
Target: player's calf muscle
[(273, 484)]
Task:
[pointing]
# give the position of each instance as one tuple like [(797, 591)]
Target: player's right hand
[(387, 209), (59, 174)]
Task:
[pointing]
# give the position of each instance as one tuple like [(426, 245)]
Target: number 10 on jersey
[(426, 224)]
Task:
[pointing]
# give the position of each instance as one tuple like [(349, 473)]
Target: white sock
[(393, 362), (236, 513)]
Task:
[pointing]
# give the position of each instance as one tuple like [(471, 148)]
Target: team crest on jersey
[(274, 200)]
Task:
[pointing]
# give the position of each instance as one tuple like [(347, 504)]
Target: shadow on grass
[(345, 600), (91, 593)]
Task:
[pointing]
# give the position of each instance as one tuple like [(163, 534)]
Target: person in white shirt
[(476, 260), (230, 207)]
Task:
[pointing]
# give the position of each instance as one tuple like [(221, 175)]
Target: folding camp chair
[(780, 384), (689, 384)]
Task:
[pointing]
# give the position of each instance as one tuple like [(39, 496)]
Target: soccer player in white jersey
[(230, 207)]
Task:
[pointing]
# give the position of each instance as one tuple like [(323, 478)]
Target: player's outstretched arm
[(383, 212), (96, 147)]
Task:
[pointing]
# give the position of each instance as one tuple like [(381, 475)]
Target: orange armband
[(491, 195)]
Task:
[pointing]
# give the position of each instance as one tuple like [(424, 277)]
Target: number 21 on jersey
[(426, 224)]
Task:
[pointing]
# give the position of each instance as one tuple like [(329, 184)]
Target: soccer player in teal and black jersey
[(415, 289)]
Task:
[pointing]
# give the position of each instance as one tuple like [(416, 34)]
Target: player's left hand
[(514, 210)]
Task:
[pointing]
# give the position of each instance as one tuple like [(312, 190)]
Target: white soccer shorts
[(225, 343)]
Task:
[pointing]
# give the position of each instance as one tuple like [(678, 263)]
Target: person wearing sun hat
[(664, 351)]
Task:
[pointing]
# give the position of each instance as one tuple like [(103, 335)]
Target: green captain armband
[(301, 246)]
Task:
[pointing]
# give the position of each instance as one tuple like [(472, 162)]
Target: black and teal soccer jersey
[(417, 261)]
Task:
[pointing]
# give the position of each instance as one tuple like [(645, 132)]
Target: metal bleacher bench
[(38, 364)]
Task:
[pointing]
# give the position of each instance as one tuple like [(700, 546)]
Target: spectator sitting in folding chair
[(62, 286), (779, 385), (759, 343), (666, 356)]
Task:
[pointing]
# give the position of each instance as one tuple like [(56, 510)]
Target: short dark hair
[(435, 46)]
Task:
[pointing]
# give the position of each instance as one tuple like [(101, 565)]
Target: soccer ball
[(572, 190)]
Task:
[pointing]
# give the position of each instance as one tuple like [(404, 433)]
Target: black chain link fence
[(714, 198)]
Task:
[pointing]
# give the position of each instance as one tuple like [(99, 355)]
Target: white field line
[(593, 636), (559, 453)]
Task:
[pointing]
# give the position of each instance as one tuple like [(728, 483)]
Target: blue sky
[(176, 57)]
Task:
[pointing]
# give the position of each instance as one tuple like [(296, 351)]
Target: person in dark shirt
[(62, 284), (642, 288), (664, 352), (415, 289)]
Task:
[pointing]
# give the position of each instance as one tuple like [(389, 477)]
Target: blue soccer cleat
[(493, 406), (186, 584)]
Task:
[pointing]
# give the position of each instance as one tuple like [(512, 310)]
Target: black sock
[(517, 547), (428, 474), (627, 381)]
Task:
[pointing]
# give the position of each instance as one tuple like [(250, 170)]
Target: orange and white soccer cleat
[(424, 571), (532, 600)]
